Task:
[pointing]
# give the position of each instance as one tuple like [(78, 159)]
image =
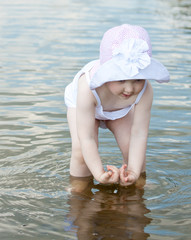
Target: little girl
[(114, 92)]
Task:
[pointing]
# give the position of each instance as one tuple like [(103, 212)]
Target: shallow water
[(43, 44)]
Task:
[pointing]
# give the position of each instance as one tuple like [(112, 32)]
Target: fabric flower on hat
[(131, 55)]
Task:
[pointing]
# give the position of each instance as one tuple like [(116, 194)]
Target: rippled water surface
[(42, 45)]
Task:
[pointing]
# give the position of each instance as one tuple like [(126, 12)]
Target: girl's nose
[(129, 87)]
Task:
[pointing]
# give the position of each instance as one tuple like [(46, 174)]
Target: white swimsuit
[(71, 96)]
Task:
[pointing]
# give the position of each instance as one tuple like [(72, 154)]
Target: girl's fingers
[(123, 173), (108, 174), (114, 171), (126, 177), (112, 168), (109, 168), (124, 166)]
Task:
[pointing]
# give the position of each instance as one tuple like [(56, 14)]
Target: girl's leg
[(121, 128), (78, 167)]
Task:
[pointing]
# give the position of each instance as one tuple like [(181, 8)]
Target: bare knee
[(78, 166)]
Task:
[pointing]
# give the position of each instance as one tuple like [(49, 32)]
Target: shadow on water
[(107, 212)]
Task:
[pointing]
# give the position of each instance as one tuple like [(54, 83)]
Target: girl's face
[(125, 88)]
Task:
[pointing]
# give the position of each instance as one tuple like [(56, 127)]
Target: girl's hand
[(110, 177), (127, 177)]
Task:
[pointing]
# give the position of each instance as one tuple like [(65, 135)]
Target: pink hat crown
[(115, 36)]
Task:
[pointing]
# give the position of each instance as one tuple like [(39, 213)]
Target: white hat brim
[(110, 71)]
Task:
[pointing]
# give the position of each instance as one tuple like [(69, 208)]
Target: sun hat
[(126, 54)]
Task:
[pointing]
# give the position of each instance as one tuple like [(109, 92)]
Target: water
[(42, 45)]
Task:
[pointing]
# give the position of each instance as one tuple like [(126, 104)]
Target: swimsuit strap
[(141, 93), (87, 74)]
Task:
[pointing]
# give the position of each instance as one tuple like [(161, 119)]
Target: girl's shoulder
[(84, 91)]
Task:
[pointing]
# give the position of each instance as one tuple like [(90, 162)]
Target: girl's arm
[(138, 139), (86, 104)]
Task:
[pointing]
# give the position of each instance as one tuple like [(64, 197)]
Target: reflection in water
[(107, 212)]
